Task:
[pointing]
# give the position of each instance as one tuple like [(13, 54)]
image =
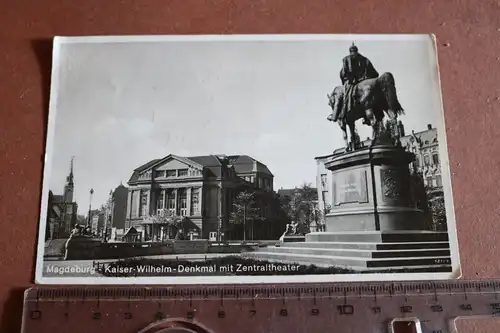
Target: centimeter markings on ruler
[(370, 290), (360, 305)]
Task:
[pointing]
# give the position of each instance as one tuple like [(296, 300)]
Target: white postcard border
[(250, 279)]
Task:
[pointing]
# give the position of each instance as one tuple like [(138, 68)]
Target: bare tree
[(309, 205), (245, 210), (301, 206), (167, 218)]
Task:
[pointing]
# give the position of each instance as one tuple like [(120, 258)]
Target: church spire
[(69, 178), (69, 187)]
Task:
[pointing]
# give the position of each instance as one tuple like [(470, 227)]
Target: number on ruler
[(345, 309), (253, 313), (283, 313), (221, 314), (190, 315), (466, 307), (96, 316), (36, 315), (437, 308), (315, 312), (376, 309), (406, 309), (127, 315), (495, 306), (159, 316)]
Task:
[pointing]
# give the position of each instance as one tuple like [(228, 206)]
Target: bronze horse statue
[(372, 97)]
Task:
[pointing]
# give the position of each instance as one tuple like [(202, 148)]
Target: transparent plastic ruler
[(400, 307)]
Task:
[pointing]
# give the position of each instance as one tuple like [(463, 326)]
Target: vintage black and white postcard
[(246, 159)]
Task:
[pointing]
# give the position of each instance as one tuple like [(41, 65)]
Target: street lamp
[(90, 206)]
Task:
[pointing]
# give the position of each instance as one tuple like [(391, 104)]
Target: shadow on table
[(13, 311), (43, 52)]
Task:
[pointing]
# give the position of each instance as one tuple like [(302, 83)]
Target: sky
[(117, 105)]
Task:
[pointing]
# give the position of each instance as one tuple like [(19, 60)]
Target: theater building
[(198, 190)]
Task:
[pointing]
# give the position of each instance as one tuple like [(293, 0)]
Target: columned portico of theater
[(177, 198)]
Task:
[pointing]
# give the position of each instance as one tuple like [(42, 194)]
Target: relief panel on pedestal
[(350, 187), (396, 187)]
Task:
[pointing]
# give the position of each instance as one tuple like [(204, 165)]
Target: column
[(138, 203), (167, 194), (188, 198), (176, 201), (164, 198), (129, 205), (200, 210), (148, 205), (200, 201)]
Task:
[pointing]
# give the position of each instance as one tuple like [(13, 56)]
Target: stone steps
[(371, 245), (378, 237), (348, 262), (401, 250), (361, 253)]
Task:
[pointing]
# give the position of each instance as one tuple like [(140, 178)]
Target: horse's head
[(335, 99)]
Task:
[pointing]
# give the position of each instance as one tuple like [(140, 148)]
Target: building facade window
[(160, 201), (435, 158), (426, 160), (195, 201), (417, 161), (171, 202), (429, 182), (439, 181), (145, 175), (171, 173), (323, 181), (183, 202), (144, 204), (183, 172), (159, 173)]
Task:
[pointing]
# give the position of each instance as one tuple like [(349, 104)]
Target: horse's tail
[(388, 87)]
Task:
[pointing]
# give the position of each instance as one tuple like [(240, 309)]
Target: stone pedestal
[(82, 248), (371, 191), (373, 225)]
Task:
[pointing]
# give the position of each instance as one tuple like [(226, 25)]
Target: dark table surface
[(468, 34)]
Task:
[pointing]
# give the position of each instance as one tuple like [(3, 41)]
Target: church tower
[(69, 187)]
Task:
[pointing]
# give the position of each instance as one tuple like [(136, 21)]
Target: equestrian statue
[(364, 94)]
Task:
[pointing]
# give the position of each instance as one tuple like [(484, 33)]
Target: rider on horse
[(356, 68)]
